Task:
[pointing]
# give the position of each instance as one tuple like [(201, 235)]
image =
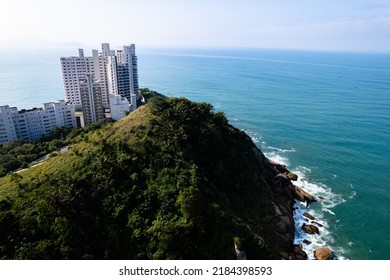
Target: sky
[(331, 25)]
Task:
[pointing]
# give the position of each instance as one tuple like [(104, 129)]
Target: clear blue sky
[(343, 25)]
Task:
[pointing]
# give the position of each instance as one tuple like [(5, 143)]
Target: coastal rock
[(299, 252), (284, 224), (307, 215), (280, 167), (323, 253), (307, 242), (281, 175), (281, 227), (283, 199), (291, 176), (310, 229), (309, 197), (318, 224), (301, 195), (298, 193)]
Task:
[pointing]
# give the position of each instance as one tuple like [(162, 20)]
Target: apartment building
[(116, 71), (91, 99), (34, 123)]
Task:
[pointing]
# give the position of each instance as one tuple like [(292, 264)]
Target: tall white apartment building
[(34, 123), (130, 59), (122, 73), (112, 73), (104, 77), (116, 71), (91, 100), (74, 68)]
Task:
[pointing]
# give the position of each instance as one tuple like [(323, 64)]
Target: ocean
[(325, 115)]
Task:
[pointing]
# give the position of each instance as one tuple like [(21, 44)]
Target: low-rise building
[(34, 123), (7, 128), (118, 107)]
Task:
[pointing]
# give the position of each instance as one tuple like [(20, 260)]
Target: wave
[(292, 150), (217, 105), (274, 156), (352, 195), (326, 201), (254, 136)]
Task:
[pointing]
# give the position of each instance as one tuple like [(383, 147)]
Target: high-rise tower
[(91, 99), (116, 71)]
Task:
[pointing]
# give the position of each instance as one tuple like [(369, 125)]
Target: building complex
[(98, 86), (35, 123), (112, 73)]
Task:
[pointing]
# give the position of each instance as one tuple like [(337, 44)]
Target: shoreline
[(288, 198)]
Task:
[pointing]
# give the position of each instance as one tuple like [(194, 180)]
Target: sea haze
[(326, 115)]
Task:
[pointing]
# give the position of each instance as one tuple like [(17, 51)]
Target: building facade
[(34, 123), (91, 100), (119, 107), (7, 128), (74, 69), (129, 60), (116, 71)]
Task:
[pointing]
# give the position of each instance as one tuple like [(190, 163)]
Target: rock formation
[(283, 200), (310, 229), (284, 192), (323, 253), (302, 195), (307, 215)]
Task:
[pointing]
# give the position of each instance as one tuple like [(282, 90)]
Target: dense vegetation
[(172, 180), (147, 94), (20, 153)]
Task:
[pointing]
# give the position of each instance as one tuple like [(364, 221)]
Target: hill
[(172, 180)]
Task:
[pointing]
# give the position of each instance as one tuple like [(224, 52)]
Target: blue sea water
[(326, 115)]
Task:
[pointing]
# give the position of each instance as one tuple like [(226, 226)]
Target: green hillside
[(172, 180)]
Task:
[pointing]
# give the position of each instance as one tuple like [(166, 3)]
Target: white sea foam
[(277, 158), (326, 201), (352, 195), (292, 150), (329, 211), (254, 136), (277, 154), (303, 169), (256, 139), (319, 210), (218, 105)]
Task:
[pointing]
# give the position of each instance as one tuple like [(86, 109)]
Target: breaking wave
[(326, 201)]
